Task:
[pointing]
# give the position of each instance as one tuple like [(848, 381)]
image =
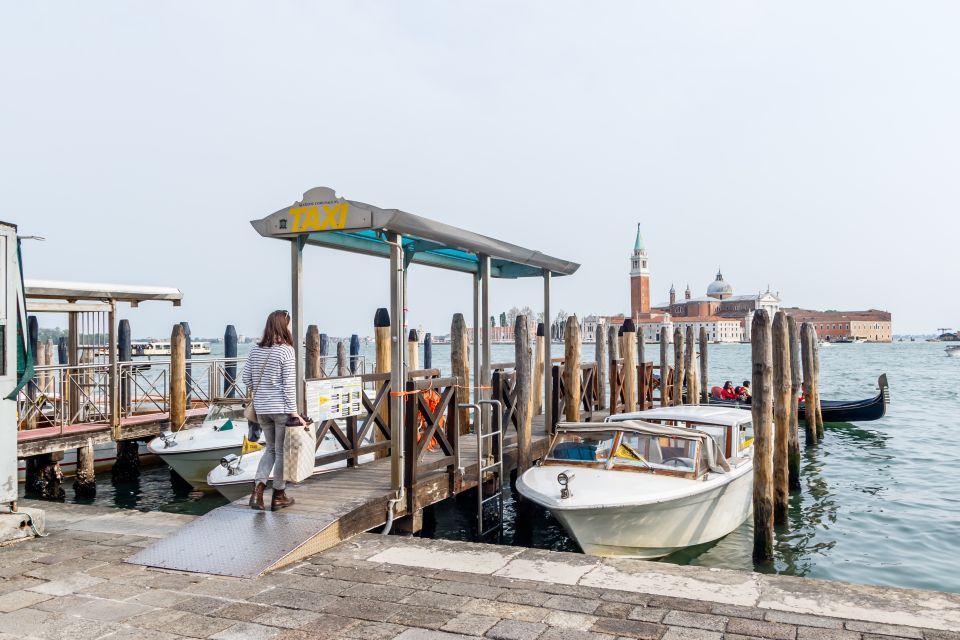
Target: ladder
[(489, 461)]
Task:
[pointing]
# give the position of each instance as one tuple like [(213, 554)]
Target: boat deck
[(234, 540)]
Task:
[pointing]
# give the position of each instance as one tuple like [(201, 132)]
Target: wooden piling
[(230, 342), (816, 383), (188, 356), (600, 355), (782, 401), (62, 351), (428, 351), (613, 341), (794, 439), (691, 366), (523, 369), (343, 365), (762, 410), (354, 353), (629, 344), (460, 365), (413, 350), (538, 370), (641, 350), (313, 367), (85, 482), (571, 369), (807, 339), (664, 367), (383, 364), (678, 368), (126, 465), (178, 378), (704, 367)]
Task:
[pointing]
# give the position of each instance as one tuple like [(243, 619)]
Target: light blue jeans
[(274, 427)]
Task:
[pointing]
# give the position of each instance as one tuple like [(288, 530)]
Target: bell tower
[(639, 279)]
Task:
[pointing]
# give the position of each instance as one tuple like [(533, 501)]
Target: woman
[(271, 372)]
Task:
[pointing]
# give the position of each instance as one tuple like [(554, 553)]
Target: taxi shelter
[(323, 219)]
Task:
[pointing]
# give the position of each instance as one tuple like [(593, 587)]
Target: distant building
[(872, 325)]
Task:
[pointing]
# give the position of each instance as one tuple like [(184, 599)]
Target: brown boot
[(280, 500), (256, 498)]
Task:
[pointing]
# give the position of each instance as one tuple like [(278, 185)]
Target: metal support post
[(547, 370), (476, 341), (485, 360), (114, 371), (398, 374), (296, 312)]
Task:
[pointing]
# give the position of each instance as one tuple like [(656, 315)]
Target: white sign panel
[(333, 398)]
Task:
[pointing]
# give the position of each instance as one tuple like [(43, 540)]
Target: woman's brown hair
[(276, 330)]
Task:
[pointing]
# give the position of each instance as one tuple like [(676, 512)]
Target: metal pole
[(485, 318), (397, 371), (296, 312), (476, 340), (114, 372), (547, 371)]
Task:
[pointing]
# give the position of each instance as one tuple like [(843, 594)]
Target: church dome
[(719, 289)]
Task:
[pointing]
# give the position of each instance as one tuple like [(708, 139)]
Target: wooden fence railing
[(589, 399), (647, 383)]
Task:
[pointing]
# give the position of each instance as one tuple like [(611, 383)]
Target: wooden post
[(312, 365), (62, 351), (383, 364), (460, 365), (664, 366), (85, 482), (794, 439), (126, 466), (324, 352), (230, 342), (704, 367), (538, 370), (807, 338), (620, 340), (413, 350), (782, 401), (641, 350), (571, 369), (343, 365), (523, 384), (613, 341), (629, 344), (691, 366), (600, 354), (354, 353), (428, 351), (178, 378), (762, 409), (816, 383), (678, 369), (188, 356)]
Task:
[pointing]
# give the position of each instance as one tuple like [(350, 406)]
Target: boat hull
[(656, 529), (193, 466)]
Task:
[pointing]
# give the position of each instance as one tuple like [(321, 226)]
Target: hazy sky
[(811, 146)]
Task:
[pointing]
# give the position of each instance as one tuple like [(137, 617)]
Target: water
[(879, 502)]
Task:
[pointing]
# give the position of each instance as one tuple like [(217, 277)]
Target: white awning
[(99, 292)]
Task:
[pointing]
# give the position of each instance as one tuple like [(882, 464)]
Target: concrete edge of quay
[(395, 586)]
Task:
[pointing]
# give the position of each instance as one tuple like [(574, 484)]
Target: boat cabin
[(726, 425), (634, 445)]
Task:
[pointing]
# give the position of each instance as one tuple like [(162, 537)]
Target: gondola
[(839, 410)]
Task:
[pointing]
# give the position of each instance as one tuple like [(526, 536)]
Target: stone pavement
[(74, 585)]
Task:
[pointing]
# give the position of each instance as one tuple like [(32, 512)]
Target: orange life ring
[(432, 398)]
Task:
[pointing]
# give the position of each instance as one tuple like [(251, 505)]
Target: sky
[(811, 147)]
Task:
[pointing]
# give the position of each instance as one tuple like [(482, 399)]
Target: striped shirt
[(276, 390)]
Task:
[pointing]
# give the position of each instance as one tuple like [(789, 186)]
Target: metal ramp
[(235, 540)]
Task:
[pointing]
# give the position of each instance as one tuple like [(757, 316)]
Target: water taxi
[(648, 483), (162, 348)]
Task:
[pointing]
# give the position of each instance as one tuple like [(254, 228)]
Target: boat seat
[(575, 451)]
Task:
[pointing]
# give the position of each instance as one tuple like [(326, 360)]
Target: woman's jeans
[(274, 427)]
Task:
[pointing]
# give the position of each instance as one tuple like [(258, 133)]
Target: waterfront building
[(872, 325)]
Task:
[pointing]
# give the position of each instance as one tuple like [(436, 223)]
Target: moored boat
[(649, 483)]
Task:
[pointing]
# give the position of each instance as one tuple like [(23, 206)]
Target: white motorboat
[(233, 477), (193, 452), (648, 483), (954, 351)]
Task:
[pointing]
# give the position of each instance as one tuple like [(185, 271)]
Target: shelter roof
[(98, 291), (323, 219)]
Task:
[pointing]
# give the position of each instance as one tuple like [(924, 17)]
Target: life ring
[(432, 398)]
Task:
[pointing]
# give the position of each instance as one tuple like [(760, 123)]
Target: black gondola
[(839, 410)]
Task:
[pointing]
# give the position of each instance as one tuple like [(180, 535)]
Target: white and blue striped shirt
[(276, 390)]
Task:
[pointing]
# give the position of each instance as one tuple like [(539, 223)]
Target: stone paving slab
[(74, 584)]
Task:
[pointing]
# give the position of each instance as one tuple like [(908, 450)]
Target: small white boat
[(954, 350), (162, 348), (649, 483), (233, 477), (193, 452)]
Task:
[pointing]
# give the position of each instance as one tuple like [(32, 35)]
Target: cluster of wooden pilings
[(778, 355)]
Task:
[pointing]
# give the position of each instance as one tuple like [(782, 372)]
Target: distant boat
[(162, 348), (954, 350), (850, 340)]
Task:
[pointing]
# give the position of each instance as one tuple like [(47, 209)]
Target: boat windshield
[(648, 451), (594, 446), (224, 412), (746, 435)]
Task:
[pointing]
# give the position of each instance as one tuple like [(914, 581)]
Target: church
[(725, 316)]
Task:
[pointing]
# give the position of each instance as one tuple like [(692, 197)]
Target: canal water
[(879, 503)]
